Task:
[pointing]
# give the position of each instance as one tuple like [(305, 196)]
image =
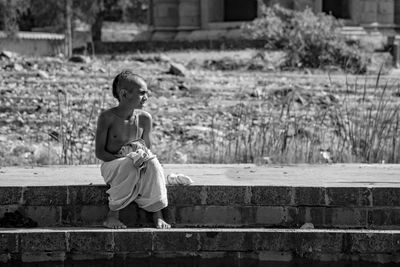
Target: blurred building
[(214, 19), (33, 43)]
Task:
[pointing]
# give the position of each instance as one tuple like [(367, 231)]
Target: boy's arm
[(147, 125), (101, 138)]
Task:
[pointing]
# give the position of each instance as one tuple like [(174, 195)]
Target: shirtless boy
[(132, 176)]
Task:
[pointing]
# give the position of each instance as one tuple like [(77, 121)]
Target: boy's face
[(135, 93)]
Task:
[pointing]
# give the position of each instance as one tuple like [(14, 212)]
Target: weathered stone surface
[(317, 242), (8, 242), (91, 241), (282, 259), (45, 196), (87, 195), (226, 241), (301, 175), (224, 195), (8, 208), (346, 217), (132, 241), (224, 215), (314, 215), (209, 215), (42, 241), (285, 245), (93, 214), (5, 257), (271, 216), (396, 244), (343, 196), (366, 197), (366, 243), (44, 215), (97, 257), (70, 216), (386, 197), (295, 218), (176, 241), (186, 195), (10, 195), (309, 196), (83, 215), (272, 241), (384, 218), (219, 205), (39, 256), (273, 196)]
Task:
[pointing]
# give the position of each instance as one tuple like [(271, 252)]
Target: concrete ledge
[(44, 245), (329, 196), (301, 175)]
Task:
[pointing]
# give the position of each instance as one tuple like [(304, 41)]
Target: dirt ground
[(220, 110)]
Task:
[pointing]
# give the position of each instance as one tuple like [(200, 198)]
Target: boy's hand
[(139, 163), (138, 157)]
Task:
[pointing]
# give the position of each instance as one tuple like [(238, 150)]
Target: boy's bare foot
[(159, 221), (113, 222)]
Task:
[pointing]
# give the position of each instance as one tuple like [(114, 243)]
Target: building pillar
[(385, 12), (368, 11), (150, 13), (165, 14), (189, 14), (204, 18), (397, 12), (165, 19)]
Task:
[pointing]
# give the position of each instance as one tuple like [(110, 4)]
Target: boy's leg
[(153, 187), (112, 220), (159, 220)]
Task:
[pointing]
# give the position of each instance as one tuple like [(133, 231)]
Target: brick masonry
[(216, 206), (44, 245)]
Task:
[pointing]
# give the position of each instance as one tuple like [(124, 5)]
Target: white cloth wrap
[(146, 186)]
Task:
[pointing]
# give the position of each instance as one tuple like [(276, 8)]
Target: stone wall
[(159, 46), (32, 47)]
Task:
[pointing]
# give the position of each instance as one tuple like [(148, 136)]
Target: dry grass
[(209, 116)]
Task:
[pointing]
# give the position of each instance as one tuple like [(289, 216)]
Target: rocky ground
[(208, 107)]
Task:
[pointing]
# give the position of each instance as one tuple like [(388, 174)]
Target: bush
[(310, 40)]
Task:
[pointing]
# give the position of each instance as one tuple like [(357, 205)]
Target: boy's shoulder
[(106, 113), (144, 114)]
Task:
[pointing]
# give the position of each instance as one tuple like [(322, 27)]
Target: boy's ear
[(122, 93)]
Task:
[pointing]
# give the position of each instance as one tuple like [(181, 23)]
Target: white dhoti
[(145, 186)]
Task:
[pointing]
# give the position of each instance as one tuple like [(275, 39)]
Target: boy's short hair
[(124, 75)]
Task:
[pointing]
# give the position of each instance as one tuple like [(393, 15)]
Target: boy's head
[(124, 81)]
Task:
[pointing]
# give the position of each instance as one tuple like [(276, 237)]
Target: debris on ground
[(177, 69)]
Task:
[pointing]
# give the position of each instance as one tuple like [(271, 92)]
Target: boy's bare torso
[(120, 130)]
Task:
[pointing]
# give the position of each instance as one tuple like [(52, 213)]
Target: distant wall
[(32, 47), (154, 46)]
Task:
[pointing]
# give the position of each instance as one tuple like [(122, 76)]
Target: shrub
[(310, 40)]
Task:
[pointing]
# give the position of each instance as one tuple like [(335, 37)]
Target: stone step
[(199, 247), (223, 196), (215, 206)]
